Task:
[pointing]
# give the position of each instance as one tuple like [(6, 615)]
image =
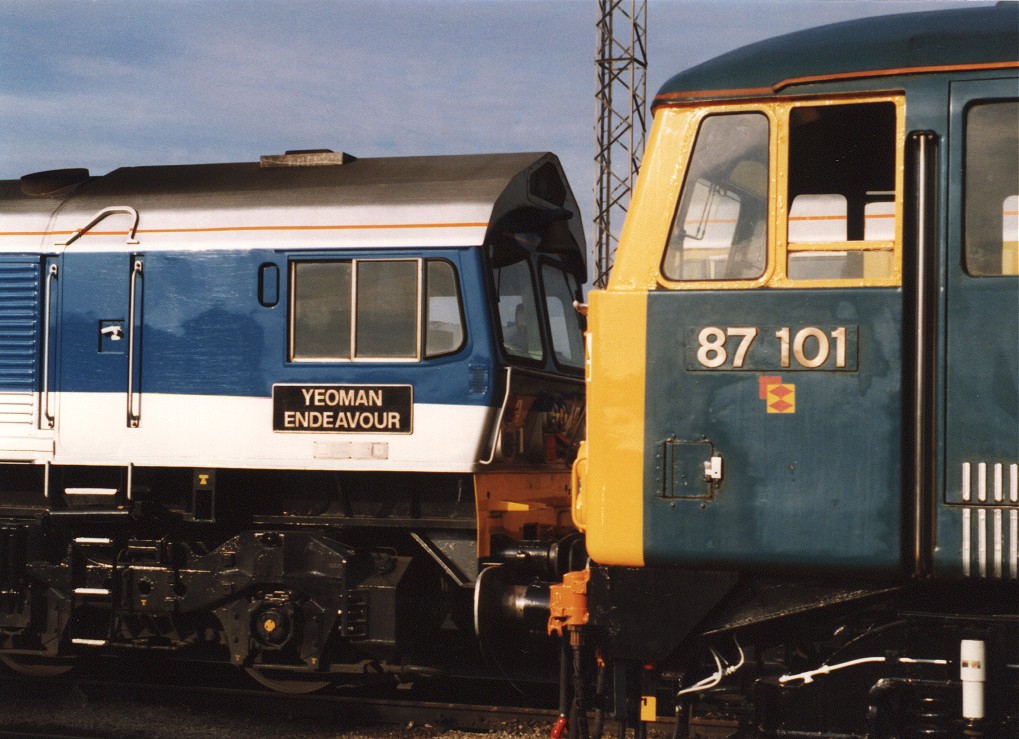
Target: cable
[(720, 672)]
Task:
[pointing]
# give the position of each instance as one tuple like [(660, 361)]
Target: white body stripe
[(220, 431), (375, 227)]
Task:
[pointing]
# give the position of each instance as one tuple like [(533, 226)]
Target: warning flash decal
[(779, 397), (351, 409)]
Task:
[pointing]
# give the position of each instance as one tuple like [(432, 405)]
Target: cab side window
[(720, 227), (320, 310), (443, 310), (384, 309), (841, 220), (519, 317), (564, 321), (991, 217)]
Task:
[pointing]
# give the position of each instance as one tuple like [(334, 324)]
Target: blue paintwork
[(816, 488), (202, 330), (20, 287)]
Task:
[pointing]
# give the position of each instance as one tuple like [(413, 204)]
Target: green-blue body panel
[(832, 485), (978, 398), (933, 39), (820, 487)]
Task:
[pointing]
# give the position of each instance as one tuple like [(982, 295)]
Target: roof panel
[(892, 44)]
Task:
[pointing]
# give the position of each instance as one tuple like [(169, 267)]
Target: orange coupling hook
[(568, 602)]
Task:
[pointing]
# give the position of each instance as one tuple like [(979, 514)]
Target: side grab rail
[(100, 216)]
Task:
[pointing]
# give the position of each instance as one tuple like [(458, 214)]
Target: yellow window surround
[(654, 204)]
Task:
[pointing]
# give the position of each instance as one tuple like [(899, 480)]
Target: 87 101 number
[(772, 348)]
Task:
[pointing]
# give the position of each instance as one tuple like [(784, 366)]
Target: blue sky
[(106, 83)]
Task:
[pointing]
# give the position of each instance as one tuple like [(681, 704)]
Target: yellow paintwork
[(645, 234), (610, 501), (648, 708), (511, 497)]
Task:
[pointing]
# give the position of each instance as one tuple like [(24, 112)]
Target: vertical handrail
[(48, 417), (921, 353), (133, 411)]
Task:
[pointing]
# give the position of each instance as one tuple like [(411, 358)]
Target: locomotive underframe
[(297, 574), (757, 655)]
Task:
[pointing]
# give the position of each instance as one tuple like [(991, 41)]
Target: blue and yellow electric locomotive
[(803, 395), (279, 410)]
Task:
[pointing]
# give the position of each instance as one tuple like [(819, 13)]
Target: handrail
[(923, 141), (113, 209), (47, 299), (133, 412)]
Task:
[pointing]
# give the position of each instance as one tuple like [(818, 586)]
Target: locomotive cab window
[(379, 309), (519, 317), (841, 191), (720, 227), (795, 193), (564, 321)]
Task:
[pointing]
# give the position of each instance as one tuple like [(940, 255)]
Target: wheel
[(293, 683), (33, 666)]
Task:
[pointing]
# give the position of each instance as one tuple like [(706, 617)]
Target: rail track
[(127, 699), (118, 699)]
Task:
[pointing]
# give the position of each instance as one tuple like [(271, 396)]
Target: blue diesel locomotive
[(279, 411), (800, 479)]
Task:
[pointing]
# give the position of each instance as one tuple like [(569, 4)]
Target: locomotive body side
[(316, 358), (819, 418)]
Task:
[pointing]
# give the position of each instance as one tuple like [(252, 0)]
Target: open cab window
[(795, 193), (374, 309)]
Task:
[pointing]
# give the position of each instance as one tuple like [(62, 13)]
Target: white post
[(973, 672)]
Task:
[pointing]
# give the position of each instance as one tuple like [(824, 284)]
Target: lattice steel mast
[(620, 126)]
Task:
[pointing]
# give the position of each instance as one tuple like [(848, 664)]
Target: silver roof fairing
[(382, 202)]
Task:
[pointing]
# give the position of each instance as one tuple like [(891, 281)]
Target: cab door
[(774, 378), (978, 509), (102, 290)]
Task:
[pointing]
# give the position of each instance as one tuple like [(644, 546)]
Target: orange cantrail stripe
[(225, 229), (753, 91)]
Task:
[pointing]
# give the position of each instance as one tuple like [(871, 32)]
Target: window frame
[(536, 291), (698, 126), (778, 112), (544, 294), (461, 315), (420, 317)]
